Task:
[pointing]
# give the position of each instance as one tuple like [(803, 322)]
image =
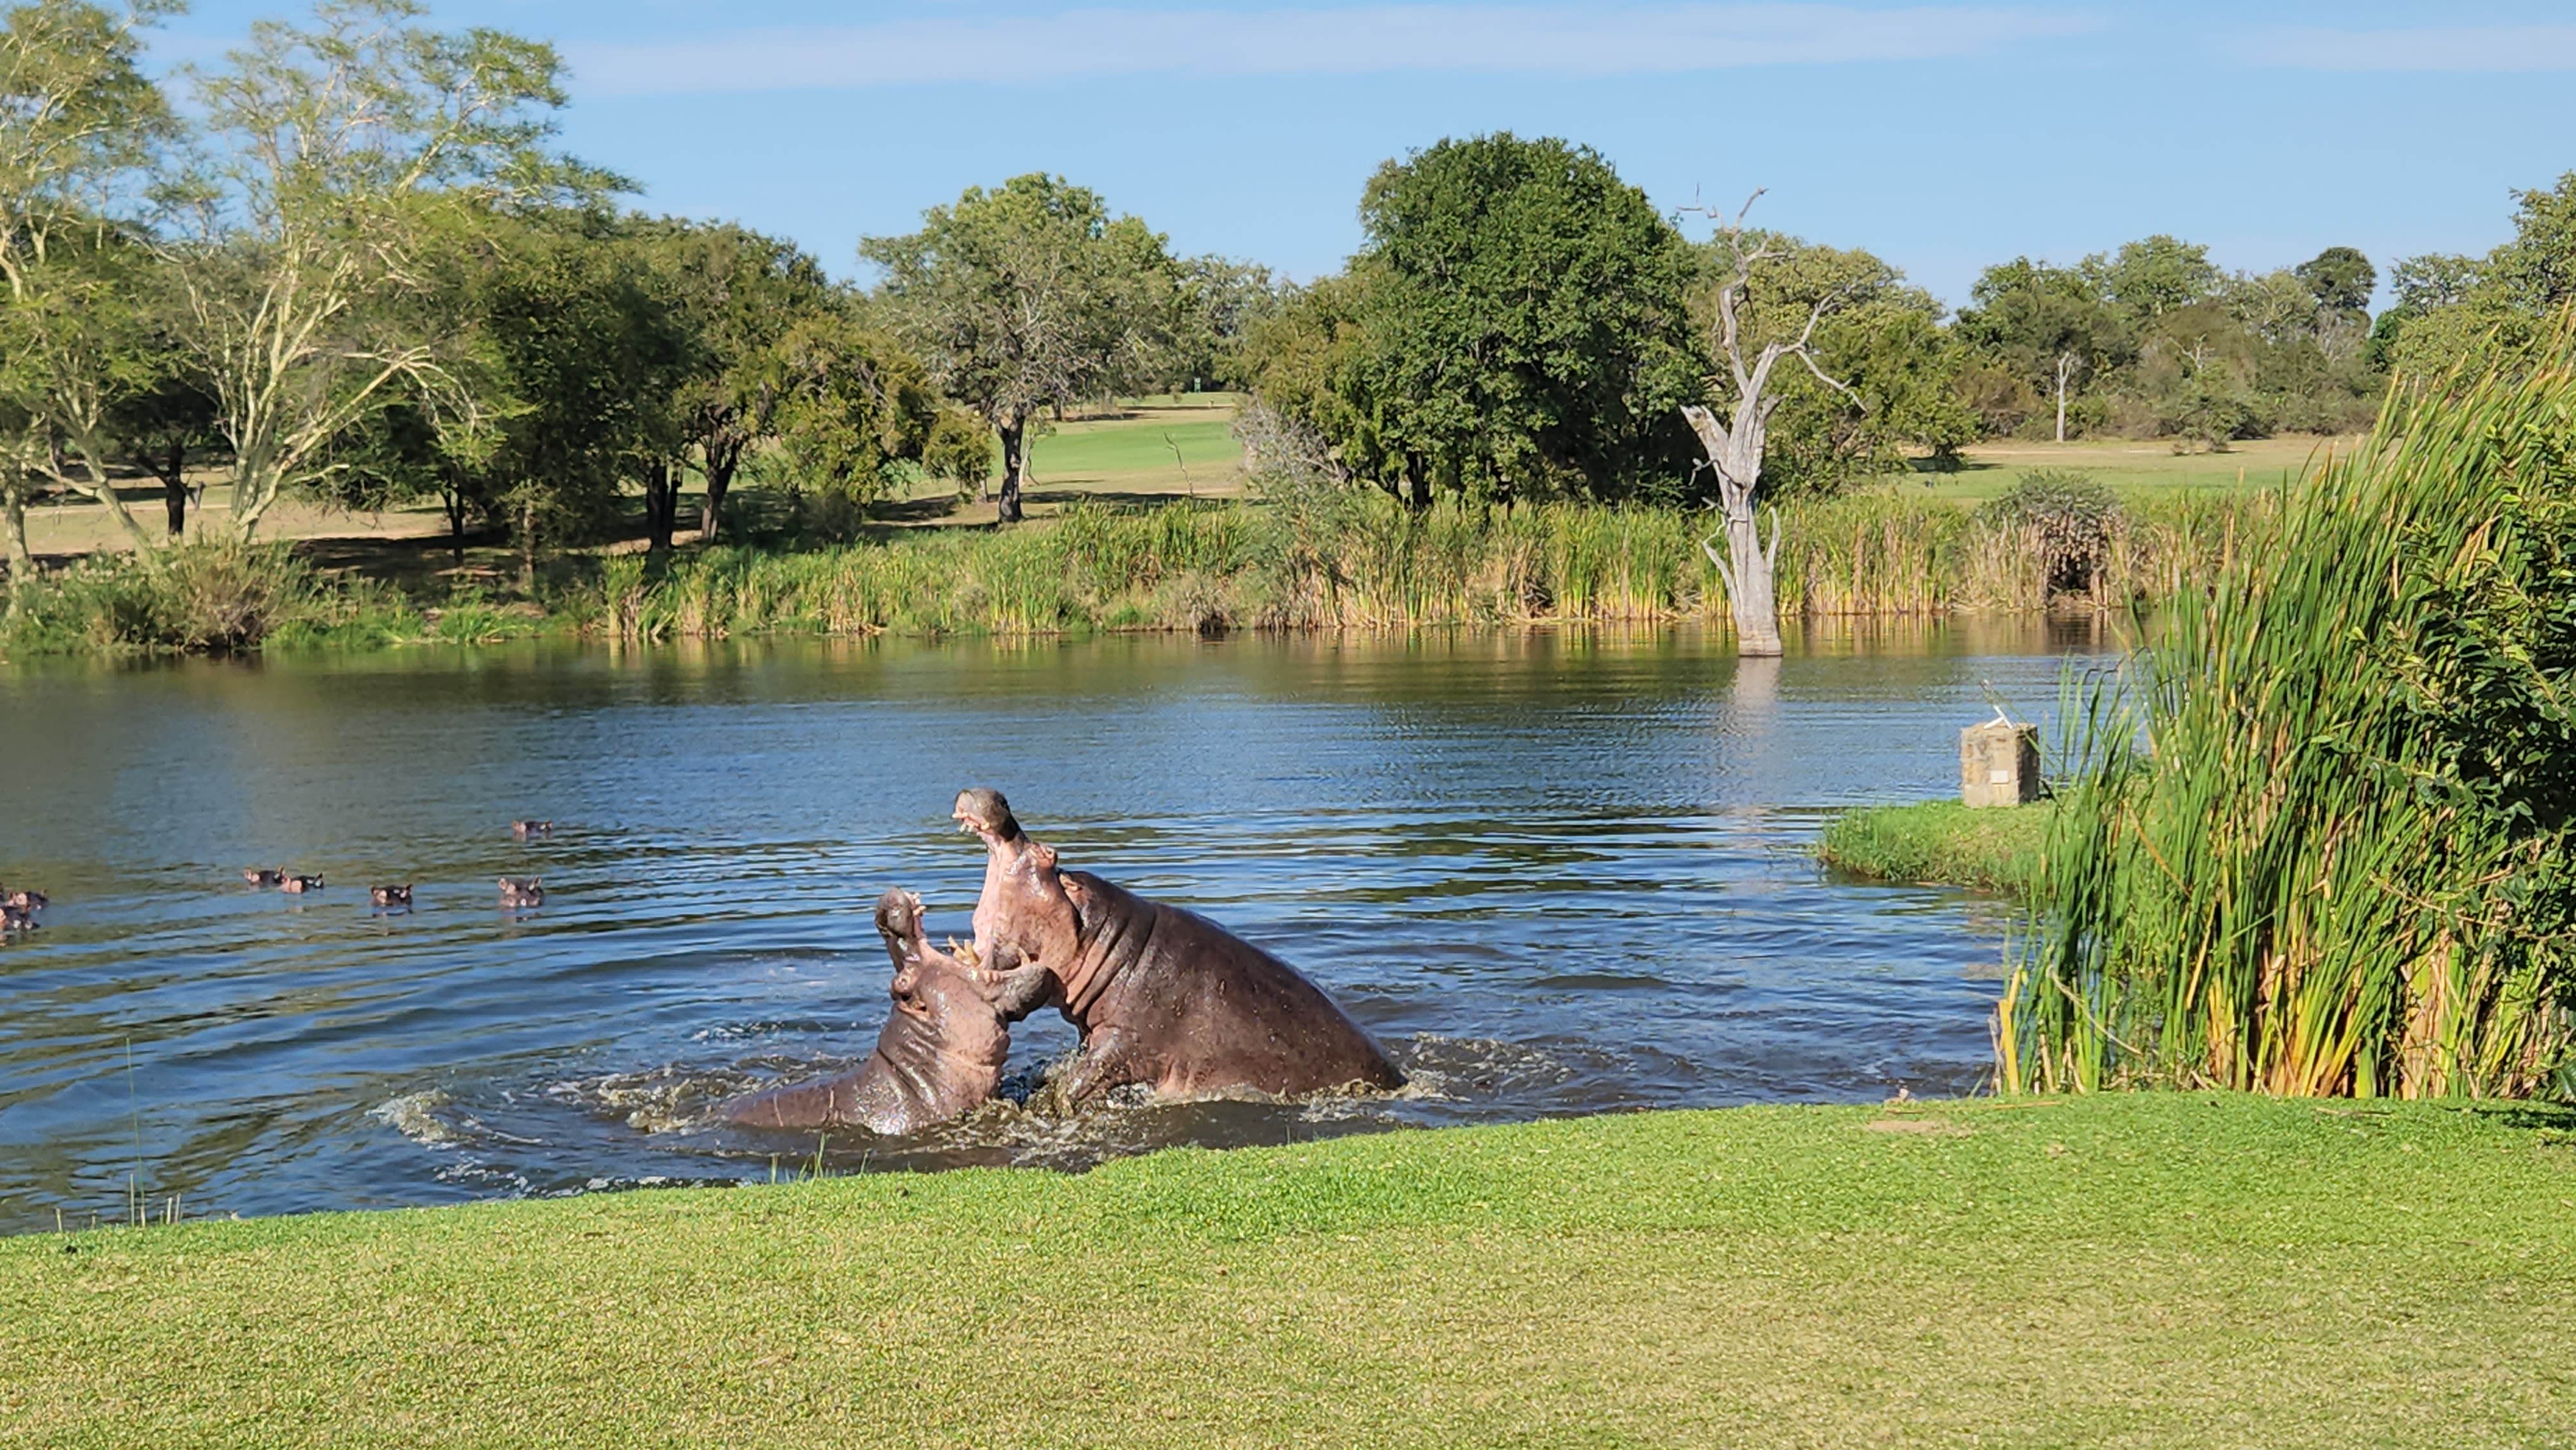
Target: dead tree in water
[(1734, 444)]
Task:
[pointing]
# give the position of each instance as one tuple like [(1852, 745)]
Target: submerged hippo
[(940, 1054), (1163, 997)]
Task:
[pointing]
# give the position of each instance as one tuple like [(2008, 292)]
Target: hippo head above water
[(1024, 914), (939, 1055)]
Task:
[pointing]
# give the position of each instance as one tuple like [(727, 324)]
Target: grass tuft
[(1942, 843)]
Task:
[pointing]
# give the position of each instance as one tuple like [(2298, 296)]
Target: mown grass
[(2131, 1270), (1942, 843)]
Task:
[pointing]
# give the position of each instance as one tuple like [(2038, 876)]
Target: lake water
[(1553, 872)]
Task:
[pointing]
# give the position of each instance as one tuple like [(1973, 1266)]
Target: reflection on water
[(1555, 873)]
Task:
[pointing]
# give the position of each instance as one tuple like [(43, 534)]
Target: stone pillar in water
[(1999, 764)]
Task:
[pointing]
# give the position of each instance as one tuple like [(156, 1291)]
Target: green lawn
[(2131, 466), (1941, 843), (1135, 454), (2152, 1270)]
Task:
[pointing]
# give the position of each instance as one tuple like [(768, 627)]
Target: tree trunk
[(173, 472), (1015, 467), (1418, 487), (661, 505), (1748, 585), (528, 547), (452, 496), (720, 467), (2062, 370), (13, 522), (1735, 455)]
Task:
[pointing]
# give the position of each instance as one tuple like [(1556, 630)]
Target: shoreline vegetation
[(1293, 560), (2148, 1268), (1999, 850)]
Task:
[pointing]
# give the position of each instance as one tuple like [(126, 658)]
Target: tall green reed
[(2316, 838)]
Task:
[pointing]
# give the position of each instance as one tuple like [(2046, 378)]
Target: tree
[(1221, 301), (736, 295), (159, 429), (1734, 443), (79, 126), (959, 450), (851, 405), (2046, 324), (1526, 324), (340, 143), (2144, 280), (1880, 338), (2451, 309), (2536, 271), (1027, 297), (2341, 279)]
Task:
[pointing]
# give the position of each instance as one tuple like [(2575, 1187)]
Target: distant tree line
[(355, 268)]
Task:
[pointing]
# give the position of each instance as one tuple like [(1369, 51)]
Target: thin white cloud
[(2458, 48), (1561, 39)]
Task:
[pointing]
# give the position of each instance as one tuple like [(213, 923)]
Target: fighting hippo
[(1163, 997), (941, 1052)]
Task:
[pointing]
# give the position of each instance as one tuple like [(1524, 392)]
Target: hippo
[(941, 1052), (1163, 997)]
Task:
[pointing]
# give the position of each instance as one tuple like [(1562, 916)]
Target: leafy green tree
[(852, 404), (737, 295), (959, 450), (80, 127), (1885, 383), (2341, 279), (2454, 310), (1516, 327), (2047, 327), (164, 427), (2536, 271), (1028, 297), (2146, 279), (1221, 302), (338, 146)]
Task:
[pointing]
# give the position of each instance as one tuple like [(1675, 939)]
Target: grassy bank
[(1941, 843), (2128, 1270)]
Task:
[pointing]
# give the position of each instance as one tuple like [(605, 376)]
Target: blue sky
[(1942, 137)]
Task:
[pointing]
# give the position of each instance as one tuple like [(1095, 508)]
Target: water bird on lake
[(528, 830), (264, 876), (390, 895), (528, 892), (14, 919), (300, 884)]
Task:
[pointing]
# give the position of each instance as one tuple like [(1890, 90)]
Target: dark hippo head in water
[(940, 1054)]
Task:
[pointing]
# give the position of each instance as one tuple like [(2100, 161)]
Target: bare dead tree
[(1734, 444), (2068, 365)]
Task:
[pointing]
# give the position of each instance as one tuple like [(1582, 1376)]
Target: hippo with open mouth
[(940, 1055), (1163, 997)]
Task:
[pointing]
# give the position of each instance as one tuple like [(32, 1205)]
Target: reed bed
[(1359, 561), (2315, 842), (1333, 559)]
